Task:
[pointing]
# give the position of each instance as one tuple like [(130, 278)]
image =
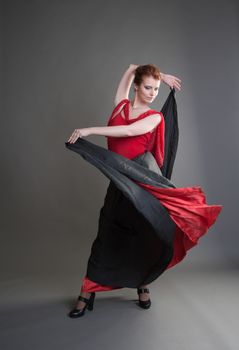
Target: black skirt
[(134, 242)]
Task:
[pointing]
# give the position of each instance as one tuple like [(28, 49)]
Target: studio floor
[(192, 309)]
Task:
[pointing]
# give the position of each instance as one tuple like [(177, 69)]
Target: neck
[(136, 103)]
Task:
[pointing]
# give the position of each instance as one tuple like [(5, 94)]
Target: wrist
[(132, 68), (162, 76), (86, 131)]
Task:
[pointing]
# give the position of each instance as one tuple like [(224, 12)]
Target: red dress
[(186, 206)]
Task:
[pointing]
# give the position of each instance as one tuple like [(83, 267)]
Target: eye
[(149, 87)]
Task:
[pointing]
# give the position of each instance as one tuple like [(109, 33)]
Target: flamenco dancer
[(146, 224)]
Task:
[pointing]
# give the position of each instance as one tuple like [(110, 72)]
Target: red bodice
[(132, 146)]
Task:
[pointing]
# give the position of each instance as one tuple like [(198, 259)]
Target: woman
[(143, 228)]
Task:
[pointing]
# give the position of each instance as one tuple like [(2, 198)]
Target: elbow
[(116, 102)]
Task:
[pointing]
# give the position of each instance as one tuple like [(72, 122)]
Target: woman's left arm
[(171, 81)]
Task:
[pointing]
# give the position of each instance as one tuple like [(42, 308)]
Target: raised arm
[(137, 128), (125, 84), (128, 77)]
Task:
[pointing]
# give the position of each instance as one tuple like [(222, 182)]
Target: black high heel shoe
[(74, 313), (145, 304)]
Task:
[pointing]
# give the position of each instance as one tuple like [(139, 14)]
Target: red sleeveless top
[(132, 146)]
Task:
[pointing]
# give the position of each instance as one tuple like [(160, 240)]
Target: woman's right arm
[(125, 84)]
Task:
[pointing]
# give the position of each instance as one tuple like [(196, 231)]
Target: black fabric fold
[(171, 134)]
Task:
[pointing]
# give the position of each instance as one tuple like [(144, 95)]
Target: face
[(148, 90)]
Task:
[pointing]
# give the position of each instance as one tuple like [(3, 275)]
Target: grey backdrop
[(61, 62)]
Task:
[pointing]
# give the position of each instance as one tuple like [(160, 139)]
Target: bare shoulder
[(155, 117), (154, 120), (152, 117), (119, 108), (118, 100)]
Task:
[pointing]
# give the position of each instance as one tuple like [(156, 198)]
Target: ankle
[(144, 286)]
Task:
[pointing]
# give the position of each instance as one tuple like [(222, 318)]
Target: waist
[(127, 147)]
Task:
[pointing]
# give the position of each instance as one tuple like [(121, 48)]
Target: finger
[(71, 137), (176, 82), (75, 136), (176, 79)]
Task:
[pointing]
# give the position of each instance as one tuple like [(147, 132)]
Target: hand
[(78, 133), (171, 81)]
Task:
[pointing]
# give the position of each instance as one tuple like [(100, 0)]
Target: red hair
[(148, 70)]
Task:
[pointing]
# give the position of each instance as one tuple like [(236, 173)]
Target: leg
[(80, 304), (89, 286)]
